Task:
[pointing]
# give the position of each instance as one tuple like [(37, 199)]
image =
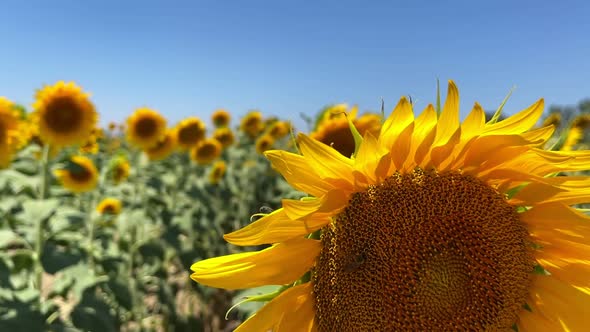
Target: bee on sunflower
[(189, 132), (64, 114), (145, 128), (78, 175), (431, 224)]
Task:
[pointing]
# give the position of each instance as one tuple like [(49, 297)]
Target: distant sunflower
[(224, 136), (434, 225), (252, 124), (552, 119), (10, 132), (217, 172), (79, 175), (221, 118), (189, 132), (112, 126), (120, 169), (145, 128), (279, 129), (264, 143), (333, 129), (206, 151), (64, 114), (164, 148), (576, 131), (110, 206)]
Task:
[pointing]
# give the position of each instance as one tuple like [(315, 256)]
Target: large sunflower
[(432, 225), (145, 128), (333, 128), (189, 132), (64, 114), (10, 131), (79, 175)]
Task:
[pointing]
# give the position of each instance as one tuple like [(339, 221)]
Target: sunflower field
[(361, 222)]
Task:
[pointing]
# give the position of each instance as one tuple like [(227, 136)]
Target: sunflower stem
[(91, 230), (39, 243)]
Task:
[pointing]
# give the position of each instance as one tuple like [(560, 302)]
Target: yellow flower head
[(279, 129), (110, 206), (264, 143), (433, 225), (189, 132), (217, 172), (79, 175), (145, 128), (64, 114), (221, 118), (206, 151), (334, 130), (164, 148), (576, 131), (10, 132), (252, 124), (119, 169), (224, 136)]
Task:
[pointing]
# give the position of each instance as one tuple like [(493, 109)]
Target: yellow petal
[(331, 202), (535, 322), (401, 147), (327, 162), (473, 123), (298, 172), (291, 304), (424, 126), (518, 123), (283, 263), (448, 123), (275, 227), (399, 119)]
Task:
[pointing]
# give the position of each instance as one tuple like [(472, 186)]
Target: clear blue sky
[(284, 57)]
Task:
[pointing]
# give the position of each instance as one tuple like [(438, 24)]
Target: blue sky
[(190, 57)]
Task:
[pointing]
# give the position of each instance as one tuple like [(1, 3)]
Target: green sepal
[(358, 139), (539, 270), (258, 298), (438, 110), (527, 307), (498, 112)]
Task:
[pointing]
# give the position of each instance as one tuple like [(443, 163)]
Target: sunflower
[(576, 131), (432, 225), (552, 119), (79, 175), (145, 128), (109, 205), (189, 132), (163, 148), (10, 132), (217, 172), (206, 151), (279, 129), (112, 126), (252, 124), (333, 128), (119, 169), (221, 118), (64, 114), (224, 136), (264, 143)]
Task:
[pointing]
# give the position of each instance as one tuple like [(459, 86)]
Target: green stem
[(39, 243), (91, 228)]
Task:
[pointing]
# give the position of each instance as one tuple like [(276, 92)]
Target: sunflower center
[(63, 115), (190, 134), (80, 174), (421, 252), (146, 127), (206, 151)]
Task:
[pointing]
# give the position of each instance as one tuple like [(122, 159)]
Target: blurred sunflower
[(206, 151), (264, 143), (64, 114), (79, 175), (252, 124), (119, 169), (164, 148), (221, 118), (10, 132), (552, 119), (224, 136), (279, 129), (217, 172), (189, 132), (109, 205), (576, 131), (433, 225), (333, 128), (145, 128), (112, 126)]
